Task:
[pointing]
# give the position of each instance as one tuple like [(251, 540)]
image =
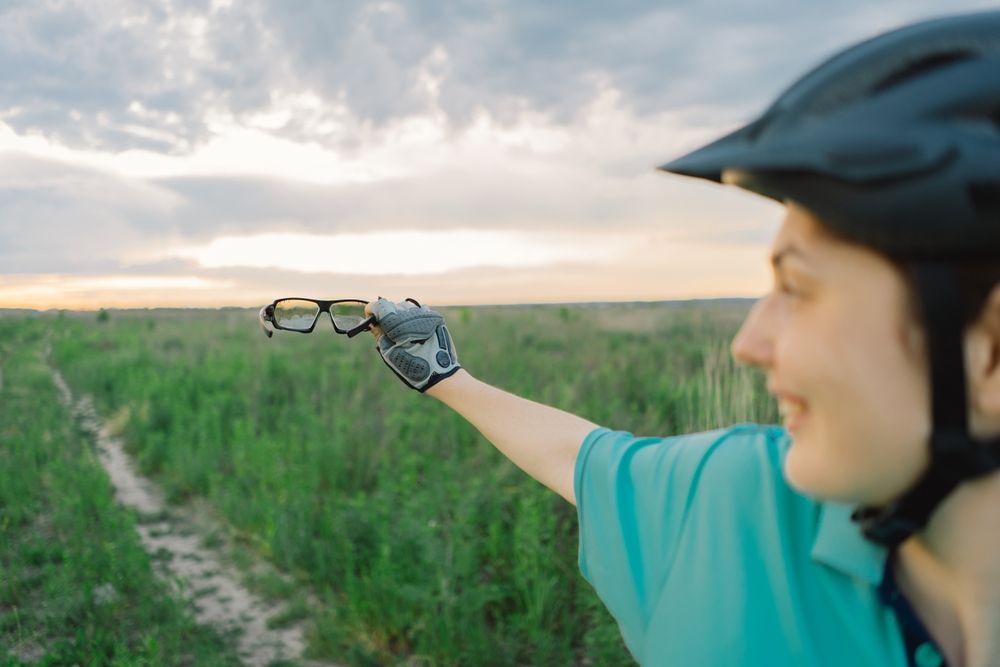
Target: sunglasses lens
[(295, 314), (346, 316)]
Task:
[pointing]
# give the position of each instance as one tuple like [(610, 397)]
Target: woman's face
[(845, 361)]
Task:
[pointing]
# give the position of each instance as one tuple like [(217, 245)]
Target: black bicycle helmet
[(895, 143)]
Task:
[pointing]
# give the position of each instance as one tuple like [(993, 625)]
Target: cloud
[(57, 218), (134, 128), (81, 212), (405, 252), (136, 74)]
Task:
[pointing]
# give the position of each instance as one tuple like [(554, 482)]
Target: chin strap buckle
[(884, 525)]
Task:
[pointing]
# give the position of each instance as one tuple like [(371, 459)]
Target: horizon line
[(13, 309)]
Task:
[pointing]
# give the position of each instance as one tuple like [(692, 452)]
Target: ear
[(982, 358)]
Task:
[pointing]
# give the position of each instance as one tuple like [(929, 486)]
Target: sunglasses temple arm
[(364, 326), (268, 331)]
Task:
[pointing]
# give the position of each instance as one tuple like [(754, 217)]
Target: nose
[(754, 342)]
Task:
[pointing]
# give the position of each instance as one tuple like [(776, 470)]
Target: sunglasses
[(301, 315)]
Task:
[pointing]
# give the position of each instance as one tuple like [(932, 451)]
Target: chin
[(811, 476)]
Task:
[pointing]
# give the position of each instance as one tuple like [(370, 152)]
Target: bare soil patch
[(176, 539)]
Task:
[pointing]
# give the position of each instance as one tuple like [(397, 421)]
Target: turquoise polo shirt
[(705, 556)]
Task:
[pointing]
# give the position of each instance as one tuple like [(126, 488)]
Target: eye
[(785, 288), (780, 284)]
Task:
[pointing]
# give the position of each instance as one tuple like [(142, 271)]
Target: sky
[(205, 153)]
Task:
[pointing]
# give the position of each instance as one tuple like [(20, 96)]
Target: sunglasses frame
[(268, 324)]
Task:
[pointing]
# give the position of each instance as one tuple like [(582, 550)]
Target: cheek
[(834, 452), (868, 421), (894, 402), (889, 381)]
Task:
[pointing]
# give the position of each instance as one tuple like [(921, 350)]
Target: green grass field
[(424, 544), (75, 585)]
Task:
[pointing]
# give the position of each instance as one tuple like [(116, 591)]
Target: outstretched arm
[(541, 440)]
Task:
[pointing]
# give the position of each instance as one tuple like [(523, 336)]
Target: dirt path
[(196, 573)]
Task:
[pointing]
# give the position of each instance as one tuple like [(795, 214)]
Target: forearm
[(541, 440)]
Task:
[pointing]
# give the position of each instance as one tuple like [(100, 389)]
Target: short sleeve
[(634, 495)]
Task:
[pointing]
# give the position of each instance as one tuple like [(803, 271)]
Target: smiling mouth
[(792, 411), (791, 408), (788, 406)]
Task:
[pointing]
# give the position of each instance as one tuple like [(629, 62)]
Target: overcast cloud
[(132, 127)]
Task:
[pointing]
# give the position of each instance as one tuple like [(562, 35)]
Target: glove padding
[(415, 343)]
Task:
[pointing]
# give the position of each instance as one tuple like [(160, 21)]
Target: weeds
[(75, 585), (429, 545)]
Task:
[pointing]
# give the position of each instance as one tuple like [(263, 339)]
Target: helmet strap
[(955, 455)]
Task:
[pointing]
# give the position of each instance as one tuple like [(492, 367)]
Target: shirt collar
[(839, 544)]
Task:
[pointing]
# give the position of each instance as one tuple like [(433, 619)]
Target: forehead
[(802, 229), (804, 237), (826, 254)]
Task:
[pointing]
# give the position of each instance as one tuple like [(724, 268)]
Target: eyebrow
[(778, 255)]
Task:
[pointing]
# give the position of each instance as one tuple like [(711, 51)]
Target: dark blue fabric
[(914, 632)]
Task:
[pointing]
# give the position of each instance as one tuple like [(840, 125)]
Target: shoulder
[(650, 487), (744, 455), (755, 435), (647, 504)]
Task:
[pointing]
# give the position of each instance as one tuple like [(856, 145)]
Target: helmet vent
[(921, 67), (841, 88)]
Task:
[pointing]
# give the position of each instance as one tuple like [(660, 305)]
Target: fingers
[(383, 307), (369, 311)]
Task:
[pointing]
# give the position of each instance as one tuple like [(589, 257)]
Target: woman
[(881, 343)]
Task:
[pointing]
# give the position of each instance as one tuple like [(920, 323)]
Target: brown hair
[(976, 279)]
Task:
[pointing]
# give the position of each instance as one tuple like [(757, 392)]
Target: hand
[(414, 342)]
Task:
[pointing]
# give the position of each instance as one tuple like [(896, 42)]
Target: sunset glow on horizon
[(646, 268), (404, 252)]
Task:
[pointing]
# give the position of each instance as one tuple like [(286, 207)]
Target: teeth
[(789, 408)]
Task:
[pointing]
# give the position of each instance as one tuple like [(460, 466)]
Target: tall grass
[(76, 586), (428, 545)]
